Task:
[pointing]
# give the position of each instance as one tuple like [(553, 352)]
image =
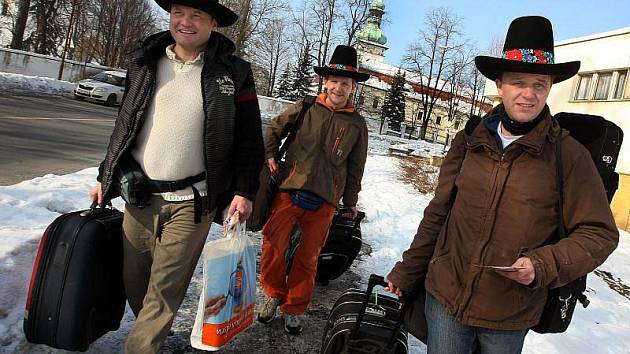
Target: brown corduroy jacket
[(328, 155), (492, 207)]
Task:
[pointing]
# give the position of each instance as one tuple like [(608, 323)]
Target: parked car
[(106, 87)]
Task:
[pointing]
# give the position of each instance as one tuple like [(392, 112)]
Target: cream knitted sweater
[(169, 146)]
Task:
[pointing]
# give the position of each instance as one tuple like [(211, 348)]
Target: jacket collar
[(547, 130), (154, 47)]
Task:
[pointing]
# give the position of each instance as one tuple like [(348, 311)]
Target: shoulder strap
[(306, 105)]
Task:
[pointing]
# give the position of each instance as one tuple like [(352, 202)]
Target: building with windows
[(602, 88), (450, 112)]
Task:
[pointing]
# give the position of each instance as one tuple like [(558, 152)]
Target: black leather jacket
[(233, 143)]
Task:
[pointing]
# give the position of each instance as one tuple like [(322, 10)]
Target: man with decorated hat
[(323, 165), (496, 205), (190, 123)]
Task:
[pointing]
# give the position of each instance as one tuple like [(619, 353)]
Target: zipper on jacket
[(470, 284), (335, 147)]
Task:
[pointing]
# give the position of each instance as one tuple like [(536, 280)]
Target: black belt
[(156, 186)]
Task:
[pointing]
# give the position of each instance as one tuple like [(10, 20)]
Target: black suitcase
[(76, 293), (363, 322), (603, 140), (341, 248)]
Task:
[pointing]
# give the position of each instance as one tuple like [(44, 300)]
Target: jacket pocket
[(339, 142)]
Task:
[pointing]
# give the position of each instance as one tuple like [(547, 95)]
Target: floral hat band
[(343, 67), (534, 56)]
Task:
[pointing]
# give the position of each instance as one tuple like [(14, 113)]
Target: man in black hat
[(486, 248), (323, 165), (189, 122)]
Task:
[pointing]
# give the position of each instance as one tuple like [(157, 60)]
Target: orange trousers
[(295, 288)]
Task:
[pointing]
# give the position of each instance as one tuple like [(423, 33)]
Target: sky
[(485, 19)]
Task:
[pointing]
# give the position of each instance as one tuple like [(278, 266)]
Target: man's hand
[(273, 166), (96, 194), (522, 276), (243, 205), (393, 289), (214, 305), (351, 212)]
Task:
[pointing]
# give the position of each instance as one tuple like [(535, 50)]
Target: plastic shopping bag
[(228, 297)]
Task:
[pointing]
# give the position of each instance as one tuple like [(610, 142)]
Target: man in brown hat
[(189, 122), (486, 248), (323, 165)]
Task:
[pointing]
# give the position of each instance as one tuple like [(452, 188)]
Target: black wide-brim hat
[(224, 16), (528, 49), (343, 63)]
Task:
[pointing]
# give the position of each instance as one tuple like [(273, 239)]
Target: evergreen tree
[(302, 77), (283, 89), (394, 106)]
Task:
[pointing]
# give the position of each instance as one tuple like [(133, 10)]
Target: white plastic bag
[(228, 297)]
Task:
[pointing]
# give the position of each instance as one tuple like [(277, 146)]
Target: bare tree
[(20, 24), (108, 30), (252, 15), (355, 17), (456, 74), (431, 55), (326, 13), (495, 47), (272, 50)]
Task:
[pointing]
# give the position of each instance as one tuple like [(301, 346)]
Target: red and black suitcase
[(341, 248), (76, 293), (363, 322)]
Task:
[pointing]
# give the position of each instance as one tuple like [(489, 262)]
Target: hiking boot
[(293, 324), (268, 312)]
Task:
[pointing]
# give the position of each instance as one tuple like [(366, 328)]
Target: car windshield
[(109, 79)]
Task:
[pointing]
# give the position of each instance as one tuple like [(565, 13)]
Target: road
[(50, 134)]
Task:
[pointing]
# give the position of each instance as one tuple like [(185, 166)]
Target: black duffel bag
[(268, 183)]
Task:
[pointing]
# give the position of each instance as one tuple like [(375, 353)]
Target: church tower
[(371, 40)]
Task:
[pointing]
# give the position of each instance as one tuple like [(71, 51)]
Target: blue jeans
[(447, 336)]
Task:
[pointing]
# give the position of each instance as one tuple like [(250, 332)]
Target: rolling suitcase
[(76, 292), (362, 322), (341, 248)]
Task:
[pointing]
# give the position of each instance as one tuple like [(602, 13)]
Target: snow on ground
[(393, 211), (34, 84)]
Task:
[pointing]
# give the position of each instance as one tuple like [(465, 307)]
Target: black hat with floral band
[(343, 63), (528, 49)]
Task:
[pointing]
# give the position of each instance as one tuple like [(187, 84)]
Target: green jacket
[(328, 155)]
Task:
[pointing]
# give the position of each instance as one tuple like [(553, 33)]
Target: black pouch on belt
[(130, 182)]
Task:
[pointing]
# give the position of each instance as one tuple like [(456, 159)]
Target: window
[(375, 103), (5, 8), (603, 86), (438, 120), (622, 78), (584, 84)]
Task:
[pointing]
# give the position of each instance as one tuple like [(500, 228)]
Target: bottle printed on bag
[(237, 286)]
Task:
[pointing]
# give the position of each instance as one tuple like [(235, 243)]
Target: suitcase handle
[(374, 281), (93, 209)]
